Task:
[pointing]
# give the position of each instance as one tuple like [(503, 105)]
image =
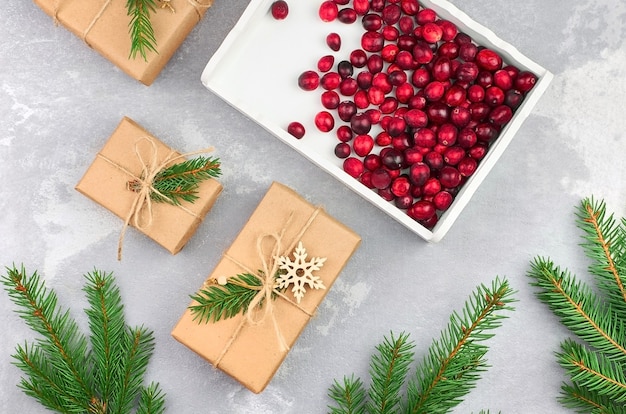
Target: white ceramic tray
[(256, 70)]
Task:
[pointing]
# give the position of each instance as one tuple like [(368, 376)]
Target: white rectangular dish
[(257, 67)]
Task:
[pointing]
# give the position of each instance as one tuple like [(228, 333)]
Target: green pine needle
[(350, 396), (596, 366), (140, 27), (388, 370), (449, 371), (152, 400), (217, 302), (61, 371), (179, 182)]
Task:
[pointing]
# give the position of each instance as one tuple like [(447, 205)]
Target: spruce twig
[(597, 366), (61, 371), (217, 302), (179, 182), (140, 27), (448, 372)]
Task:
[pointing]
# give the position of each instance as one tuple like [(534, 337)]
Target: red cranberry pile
[(420, 102)]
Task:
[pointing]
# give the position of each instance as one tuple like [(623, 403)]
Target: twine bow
[(268, 288), (143, 185)]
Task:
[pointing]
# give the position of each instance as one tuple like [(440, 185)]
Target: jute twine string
[(144, 185), (196, 4), (263, 299)]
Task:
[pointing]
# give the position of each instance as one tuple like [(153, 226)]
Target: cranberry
[(383, 139), (405, 24), (446, 134), (409, 7), (476, 93), (434, 160), (400, 186), (418, 101), (358, 58), (466, 138), (364, 79), (404, 92), (330, 81), (347, 16), (525, 81), (484, 79), (375, 63), (431, 187), (360, 124), (296, 129), (442, 200), (328, 11), (396, 126), (324, 121), (390, 33), (380, 178), (432, 33), (348, 86), (455, 95), (376, 95), (460, 116), (431, 222), (416, 118), (438, 112), (419, 172), (425, 137), (434, 91), (462, 38), (389, 105), (391, 14), (353, 166), (366, 179), (502, 79), (467, 72), (342, 2), (377, 5), (372, 42), (402, 142), (467, 166), (372, 22), (386, 194), (372, 162), (280, 9), (479, 111), (342, 150), (449, 177), (442, 69), (330, 99), (403, 202), (374, 115), (389, 52), (361, 6), (500, 115), (333, 40), (494, 96), (362, 145), (392, 159), (361, 100), (488, 60), (449, 30), (486, 132), (412, 155), (425, 16), (478, 151), (325, 63), (309, 80), (420, 77), (453, 155), (513, 98), (344, 133), (449, 50), (346, 110), (404, 60), (468, 51), (421, 210), (422, 53)]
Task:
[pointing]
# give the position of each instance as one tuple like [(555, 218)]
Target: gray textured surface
[(60, 100)]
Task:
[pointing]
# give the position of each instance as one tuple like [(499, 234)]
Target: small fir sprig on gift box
[(447, 373), (179, 182), (141, 31), (68, 372), (596, 363)]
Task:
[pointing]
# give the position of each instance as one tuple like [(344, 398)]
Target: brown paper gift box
[(103, 25), (106, 184), (255, 354)]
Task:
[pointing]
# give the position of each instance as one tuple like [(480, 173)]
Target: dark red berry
[(309, 80), (333, 40), (328, 11), (353, 166), (324, 121), (280, 9), (296, 129)]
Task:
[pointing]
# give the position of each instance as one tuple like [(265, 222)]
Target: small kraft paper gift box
[(278, 269), (104, 26), (117, 177)]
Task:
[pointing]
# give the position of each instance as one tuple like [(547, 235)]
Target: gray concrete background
[(60, 100)]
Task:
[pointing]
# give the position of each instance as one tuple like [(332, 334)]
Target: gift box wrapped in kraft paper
[(104, 26), (129, 156), (285, 260)]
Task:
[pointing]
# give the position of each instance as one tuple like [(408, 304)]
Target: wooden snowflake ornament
[(299, 272)]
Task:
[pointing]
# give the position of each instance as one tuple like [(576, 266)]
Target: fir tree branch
[(140, 27), (454, 362), (217, 302), (139, 343), (107, 327), (593, 371), (63, 348), (179, 182), (604, 241), (583, 401), (349, 396), (578, 308), (388, 370), (152, 400)]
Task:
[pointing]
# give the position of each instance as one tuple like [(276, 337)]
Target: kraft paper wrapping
[(103, 25), (255, 354), (104, 183)]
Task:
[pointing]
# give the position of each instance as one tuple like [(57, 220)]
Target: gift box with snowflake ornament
[(266, 287)]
